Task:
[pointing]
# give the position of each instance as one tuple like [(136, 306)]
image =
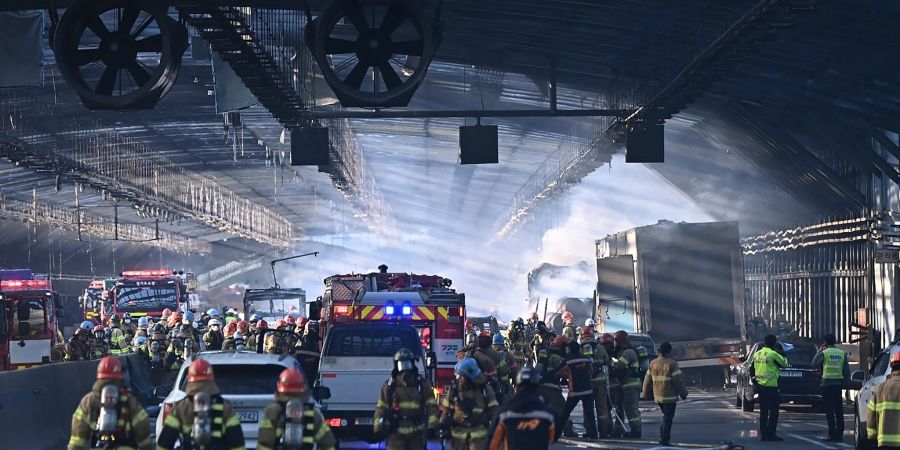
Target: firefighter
[(181, 347), (549, 361), (531, 327), (258, 330), (468, 408), (835, 369), (164, 316), (524, 421), (78, 347), (277, 343), (626, 367), (174, 322), (507, 365), (666, 382), (883, 416), (293, 420), (99, 346), (406, 408), (569, 325), (58, 351), (140, 346), (765, 370), (543, 336), (589, 324), (600, 381), (143, 328), (241, 335), (228, 341), (203, 419), (117, 341), (487, 360), (213, 338), (311, 341), (129, 328), (579, 371), (109, 416), (471, 330), (515, 342), (156, 346)]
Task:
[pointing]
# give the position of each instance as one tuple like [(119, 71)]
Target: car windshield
[(244, 379), (379, 342), (799, 354), (146, 296), (30, 317)]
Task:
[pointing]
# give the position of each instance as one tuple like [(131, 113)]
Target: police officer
[(579, 370), (203, 419), (599, 381), (835, 369), (666, 381), (406, 406), (507, 367), (99, 346), (524, 421), (293, 421), (109, 416), (78, 348), (626, 367), (468, 408), (883, 416), (765, 369), (213, 338)]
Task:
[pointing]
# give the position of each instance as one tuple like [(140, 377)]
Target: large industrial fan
[(119, 54), (373, 53)]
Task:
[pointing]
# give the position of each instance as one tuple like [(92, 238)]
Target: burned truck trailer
[(677, 282)]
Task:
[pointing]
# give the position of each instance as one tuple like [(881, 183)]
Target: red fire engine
[(28, 320), (147, 293), (424, 302)]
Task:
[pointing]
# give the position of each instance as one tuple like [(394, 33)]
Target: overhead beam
[(429, 114), (28, 5)]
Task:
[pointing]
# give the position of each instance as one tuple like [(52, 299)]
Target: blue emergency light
[(389, 309), (407, 309)]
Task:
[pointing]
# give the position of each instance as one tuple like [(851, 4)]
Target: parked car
[(798, 383), (488, 323), (357, 359), (245, 379), (880, 370)]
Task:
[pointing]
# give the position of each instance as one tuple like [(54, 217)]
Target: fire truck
[(29, 308), (94, 299), (425, 302), (147, 293)]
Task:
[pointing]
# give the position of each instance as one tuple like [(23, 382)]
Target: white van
[(357, 359)]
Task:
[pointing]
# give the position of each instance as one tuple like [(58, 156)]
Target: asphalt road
[(706, 420)]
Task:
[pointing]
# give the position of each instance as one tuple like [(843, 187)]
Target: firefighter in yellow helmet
[(292, 421), (109, 416), (203, 419), (406, 408), (883, 416)]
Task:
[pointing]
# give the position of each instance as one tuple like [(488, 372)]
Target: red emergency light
[(147, 273), (23, 285), (341, 309)]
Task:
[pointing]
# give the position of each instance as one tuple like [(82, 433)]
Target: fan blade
[(412, 48), (358, 18), (95, 23), (144, 24), (107, 81), (138, 73), (151, 44), (356, 76), (392, 18), (389, 75), (337, 46), (129, 16), (87, 56)]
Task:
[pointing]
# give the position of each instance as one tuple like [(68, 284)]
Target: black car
[(798, 383)]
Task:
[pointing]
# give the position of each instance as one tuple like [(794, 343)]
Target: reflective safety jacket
[(601, 362), (213, 340), (77, 350), (406, 406), (665, 379), (469, 409), (550, 364), (569, 332), (627, 368), (277, 343), (133, 425), (117, 341), (315, 430), (99, 348), (833, 364), (883, 417), (525, 422), (767, 364), (226, 428), (578, 370)]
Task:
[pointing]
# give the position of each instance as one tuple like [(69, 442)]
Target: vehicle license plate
[(363, 421), (695, 352), (248, 416), (791, 373)]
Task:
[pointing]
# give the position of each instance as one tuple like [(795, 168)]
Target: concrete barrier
[(36, 404)]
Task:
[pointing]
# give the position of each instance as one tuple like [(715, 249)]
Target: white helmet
[(214, 322), (589, 322)]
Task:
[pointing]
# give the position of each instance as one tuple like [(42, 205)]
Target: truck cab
[(147, 293), (28, 323)]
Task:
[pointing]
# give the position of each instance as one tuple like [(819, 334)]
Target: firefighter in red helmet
[(203, 419), (293, 421), (109, 416)]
